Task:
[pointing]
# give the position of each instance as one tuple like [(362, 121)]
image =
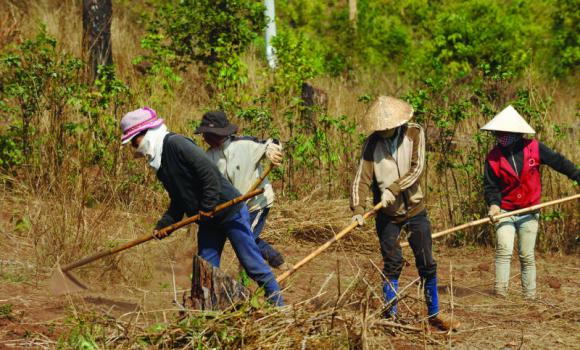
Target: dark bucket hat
[(216, 122)]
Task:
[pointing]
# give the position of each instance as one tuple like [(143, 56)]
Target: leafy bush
[(296, 62), (209, 32), (481, 34), (37, 81), (566, 44), (51, 113)]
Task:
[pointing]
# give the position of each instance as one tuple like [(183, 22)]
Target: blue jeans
[(257, 221), (212, 237), (526, 228)]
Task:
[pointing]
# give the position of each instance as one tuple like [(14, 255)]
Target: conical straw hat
[(386, 113), (509, 120)]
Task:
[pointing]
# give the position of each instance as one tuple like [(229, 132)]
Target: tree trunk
[(352, 13), (97, 16), (270, 12), (211, 289)]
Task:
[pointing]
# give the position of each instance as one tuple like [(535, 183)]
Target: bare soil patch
[(340, 284)]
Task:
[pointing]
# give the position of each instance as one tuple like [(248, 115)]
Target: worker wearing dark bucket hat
[(217, 123), (239, 158)]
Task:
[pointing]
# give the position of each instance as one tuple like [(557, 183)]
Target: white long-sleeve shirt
[(238, 159)]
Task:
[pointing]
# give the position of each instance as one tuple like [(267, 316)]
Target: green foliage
[(566, 31), (161, 59), (480, 34), (296, 63), (35, 81), (100, 105), (461, 38), (212, 33), (11, 152), (50, 113), (5, 311), (382, 38), (259, 120), (83, 334)]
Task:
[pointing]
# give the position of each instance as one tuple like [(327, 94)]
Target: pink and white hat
[(138, 120)]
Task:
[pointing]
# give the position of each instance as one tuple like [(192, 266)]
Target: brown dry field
[(138, 287)]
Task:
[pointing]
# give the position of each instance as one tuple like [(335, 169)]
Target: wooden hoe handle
[(265, 173), (500, 216), (327, 244), (162, 232), (371, 213)]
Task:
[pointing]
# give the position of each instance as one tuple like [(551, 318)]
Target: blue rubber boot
[(390, 288), (431, 296)]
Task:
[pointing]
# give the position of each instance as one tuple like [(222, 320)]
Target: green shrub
[(209, 32), (566, 31)]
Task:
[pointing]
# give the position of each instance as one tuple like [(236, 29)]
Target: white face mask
[(151, 146), (144, 147)]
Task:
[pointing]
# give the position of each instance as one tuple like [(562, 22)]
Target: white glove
[(388, 198), (274, 153), (360, 220), (493, 211)]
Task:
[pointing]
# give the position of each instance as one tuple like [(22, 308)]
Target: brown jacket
[(398, 172)]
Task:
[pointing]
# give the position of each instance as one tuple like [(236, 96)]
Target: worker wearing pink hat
[(137, 121), (195, 187)]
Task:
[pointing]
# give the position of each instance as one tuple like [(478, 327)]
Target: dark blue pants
[(257, 222), (212, 237), (421, 243)]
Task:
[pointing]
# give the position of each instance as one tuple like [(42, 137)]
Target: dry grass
[(335, 301)]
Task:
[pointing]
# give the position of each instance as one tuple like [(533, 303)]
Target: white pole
[(270, 32)]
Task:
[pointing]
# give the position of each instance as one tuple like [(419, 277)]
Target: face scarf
[(391, 137), (506, 140), (151, 146)]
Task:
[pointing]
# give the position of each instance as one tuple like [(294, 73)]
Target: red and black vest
[(520, 191)]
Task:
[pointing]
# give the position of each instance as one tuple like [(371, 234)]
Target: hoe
[(63, 281)]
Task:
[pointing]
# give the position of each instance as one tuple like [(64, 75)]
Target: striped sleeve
[(417, 135), (362, 180)]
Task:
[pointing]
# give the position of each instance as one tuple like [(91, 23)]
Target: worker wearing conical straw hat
[(393, 160), (511, 182), (195, 187)]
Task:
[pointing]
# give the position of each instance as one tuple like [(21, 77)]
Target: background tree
[(97, 16)]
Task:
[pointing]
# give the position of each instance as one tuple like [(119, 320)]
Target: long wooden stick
[(250, 194), (499, 216), (371, 213), (262, 177), (160, 233), (327, 244)]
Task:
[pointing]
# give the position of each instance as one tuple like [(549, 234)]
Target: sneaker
[(445, 323), (502, 293)]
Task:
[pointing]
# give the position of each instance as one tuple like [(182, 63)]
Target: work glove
[(360, 220), (388, 198), (493, 211), (274, 153)]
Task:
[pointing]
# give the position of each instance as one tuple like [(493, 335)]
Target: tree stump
[(315, 102), (212, 289)]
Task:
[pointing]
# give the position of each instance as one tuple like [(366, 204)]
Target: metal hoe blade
[(64, 282)]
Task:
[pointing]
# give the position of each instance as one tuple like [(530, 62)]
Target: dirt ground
[(32, 317)]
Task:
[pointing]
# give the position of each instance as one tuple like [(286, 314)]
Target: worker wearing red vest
[(511, 182)]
